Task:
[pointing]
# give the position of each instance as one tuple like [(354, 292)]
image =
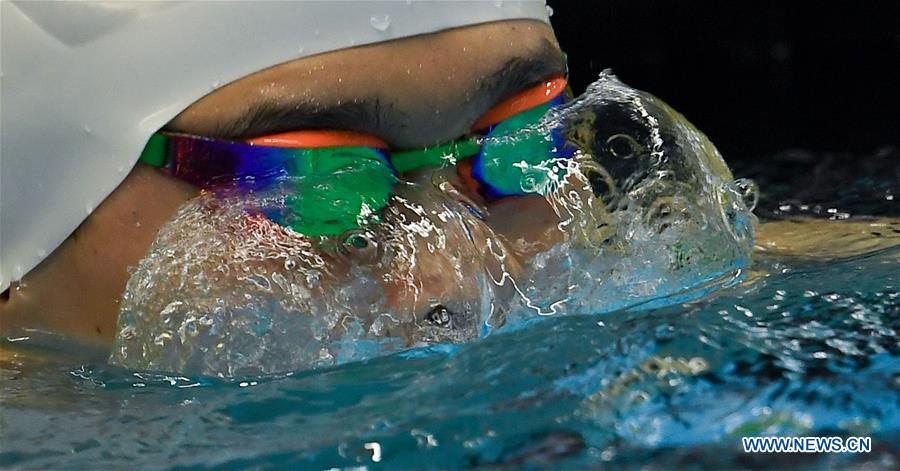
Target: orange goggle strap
[(453, 152), (535, 96), (318, 138)]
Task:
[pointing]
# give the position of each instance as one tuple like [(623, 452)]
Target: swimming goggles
[(347, 178)]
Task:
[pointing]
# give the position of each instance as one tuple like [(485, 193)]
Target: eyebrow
[(268, 117)]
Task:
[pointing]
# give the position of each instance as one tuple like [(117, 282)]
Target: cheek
[(435, 277), (527, 223), (119, 233), (443, 253)]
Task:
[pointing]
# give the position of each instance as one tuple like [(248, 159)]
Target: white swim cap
[(85, 84)]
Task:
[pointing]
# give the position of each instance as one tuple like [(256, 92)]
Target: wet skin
[(411, 92)]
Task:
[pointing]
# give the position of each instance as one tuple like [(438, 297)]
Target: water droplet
[(88, 208), (214, 85), (300, 49), (748, 191), (380, 22), (549, 10), (312, 279), (86, 128), (42, 253), (375, 447)]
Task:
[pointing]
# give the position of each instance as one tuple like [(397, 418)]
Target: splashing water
[(646, 206), (225, 291), (649, 208), (810, 348)]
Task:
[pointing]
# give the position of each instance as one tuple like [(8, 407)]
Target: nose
[(443, 270), (440, 316)]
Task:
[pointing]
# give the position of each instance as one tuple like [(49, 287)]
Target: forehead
[(427, 88)]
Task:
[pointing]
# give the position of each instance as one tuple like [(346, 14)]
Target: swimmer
[(422, 155), (79, 208)]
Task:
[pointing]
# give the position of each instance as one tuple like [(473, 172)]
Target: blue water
[(801, 348)]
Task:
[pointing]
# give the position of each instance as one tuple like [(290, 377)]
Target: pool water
[(802, 342), (802, 348)]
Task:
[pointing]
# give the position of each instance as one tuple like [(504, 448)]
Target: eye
[(439, 315)]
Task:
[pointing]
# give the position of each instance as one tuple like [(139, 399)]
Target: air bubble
[(623, 146)]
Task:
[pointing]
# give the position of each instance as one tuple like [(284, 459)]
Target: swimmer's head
[(85, 84), (69, 145)]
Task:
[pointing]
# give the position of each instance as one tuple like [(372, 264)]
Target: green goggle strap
[(436, 156)]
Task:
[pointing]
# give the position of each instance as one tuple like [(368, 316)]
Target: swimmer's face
[(411, 92)]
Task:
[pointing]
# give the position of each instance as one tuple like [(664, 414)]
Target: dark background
[(759, 78)]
